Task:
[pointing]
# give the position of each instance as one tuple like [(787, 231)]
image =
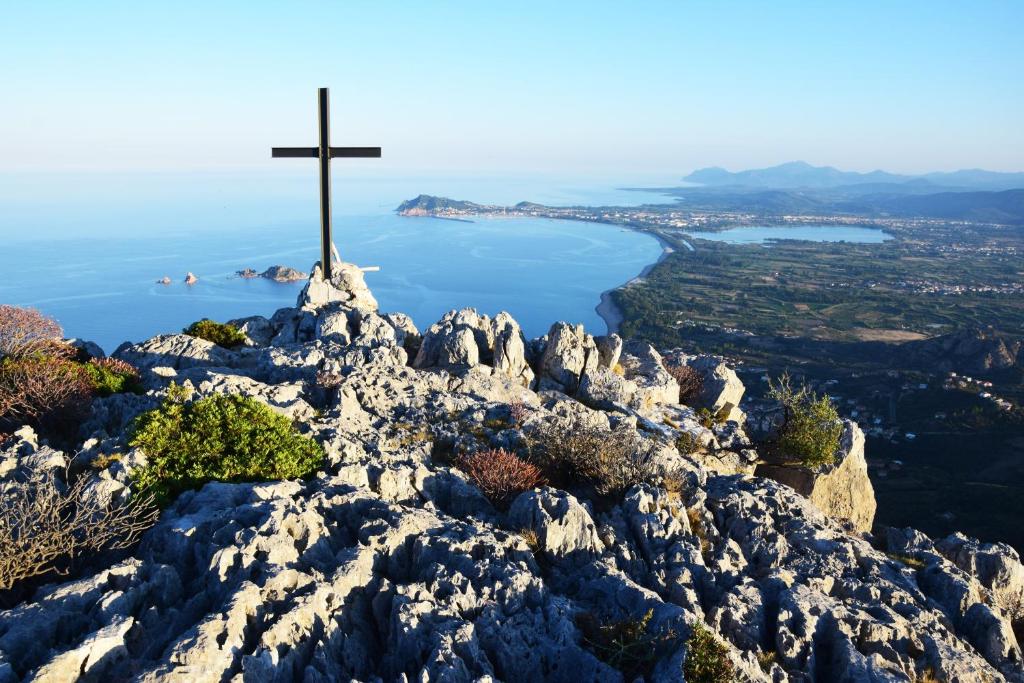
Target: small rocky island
[(489, 507), (275, 273)]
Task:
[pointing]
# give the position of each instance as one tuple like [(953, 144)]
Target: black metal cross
[(325, 153)]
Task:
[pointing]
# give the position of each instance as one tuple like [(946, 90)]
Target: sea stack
[(190, 278)]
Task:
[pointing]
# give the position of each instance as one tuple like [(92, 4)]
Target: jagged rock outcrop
[(347, 286), (466, 339), (971, 350), (391, 564), (721, 391), (841, 489)]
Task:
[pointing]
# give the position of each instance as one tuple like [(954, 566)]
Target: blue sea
[(88, 249)]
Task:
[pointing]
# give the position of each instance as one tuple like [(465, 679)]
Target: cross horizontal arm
[(371, 152), (295, 152), (314, 152)]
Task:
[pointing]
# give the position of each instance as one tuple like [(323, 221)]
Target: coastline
[(606, 309)]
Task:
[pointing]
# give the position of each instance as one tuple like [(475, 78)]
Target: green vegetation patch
[(218, 438), (811, 428), (222, 334), (628, 645), (112, 376), (707, 659)]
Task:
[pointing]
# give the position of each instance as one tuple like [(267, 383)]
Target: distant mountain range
[(799, 174)]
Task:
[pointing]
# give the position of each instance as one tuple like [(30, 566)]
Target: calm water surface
[(91, 259), (810, 233)]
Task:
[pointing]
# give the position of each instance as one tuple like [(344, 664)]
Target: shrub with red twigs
[(501, 475), (691, 382), (518, 412), (40, 386), (26, 332)]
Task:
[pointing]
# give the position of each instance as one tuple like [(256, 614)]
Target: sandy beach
[(607, 309)]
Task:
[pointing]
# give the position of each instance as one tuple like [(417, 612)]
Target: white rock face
[(176, 351), (391, 564), (722, 389), (565, 530), (466, 339), (843, 489), (570, 353), (347, 286)]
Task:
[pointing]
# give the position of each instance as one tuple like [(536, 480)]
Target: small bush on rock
[(42, 388), (610, 461), (811, 426), (707, 659), (25, 332), (222, 334), (627, 644), (501, 475), (220, 437), (691, 382), (113, 376), (45, 526)]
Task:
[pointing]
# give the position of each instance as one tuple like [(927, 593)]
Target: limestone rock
[(256, 328), (570, 353), (455, 341), (609, 349), (565, 530), (509, 351), (996, 566), (643, 366), (605, 390), (347, 286), (177, 351), (389, 564), (843, 489), (722, 390), (87, 348)]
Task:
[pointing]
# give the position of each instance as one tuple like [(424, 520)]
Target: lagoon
[(810, 233)]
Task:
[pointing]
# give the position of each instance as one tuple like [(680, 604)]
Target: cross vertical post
[(324, 152), (325, 183)]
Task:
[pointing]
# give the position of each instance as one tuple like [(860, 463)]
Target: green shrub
[(112, 376), (222, 438), (766, 660), (707, 659), (687, 443), (221, 334), (626, 645), (811, 426)]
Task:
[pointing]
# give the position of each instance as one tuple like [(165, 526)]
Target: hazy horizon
[(569, 89)]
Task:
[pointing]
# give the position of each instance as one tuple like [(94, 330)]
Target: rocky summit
[(391, 563)]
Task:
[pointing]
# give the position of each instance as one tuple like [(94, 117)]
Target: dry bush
[(26, 332), (609, 461), (329, 380), (501, 475), (518, 412), (116, 366), (45, 527), (39, 386), (691, 382)]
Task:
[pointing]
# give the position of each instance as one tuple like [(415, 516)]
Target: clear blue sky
[(610, 88)]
